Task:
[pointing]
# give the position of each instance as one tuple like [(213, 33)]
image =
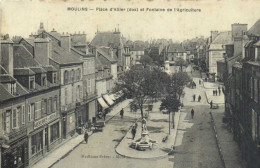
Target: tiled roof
[(176, 48), (23, 71), (61, 56), (255, 29), (4, 94), (223, 38), (6, 78), (50, 68), (38, 70), (107, 39), (23, 58), (104, 52)]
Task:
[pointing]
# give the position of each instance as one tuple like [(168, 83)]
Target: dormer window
[(54, 78), (44, 83), (32, 83), (13, 88)]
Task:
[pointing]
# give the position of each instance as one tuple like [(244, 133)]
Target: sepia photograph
[(130, 84)]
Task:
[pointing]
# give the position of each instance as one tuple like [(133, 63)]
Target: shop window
[(36, 143), (55, 132)]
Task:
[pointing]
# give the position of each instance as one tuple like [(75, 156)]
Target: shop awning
[(108, 100), (112, 96), (102, 103)]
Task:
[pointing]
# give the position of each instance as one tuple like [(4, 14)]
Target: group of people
[(217, 92), (194, 98)]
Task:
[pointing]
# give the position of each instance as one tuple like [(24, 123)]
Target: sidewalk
[(158, 128), (54, 156), (215, 99), (229, 148)]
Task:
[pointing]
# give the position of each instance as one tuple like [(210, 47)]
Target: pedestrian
[(211, 104), (122, 113), (194, 97), (133, 132), (219, 91), (192, 113), (218, 88), (199, 98), (216, 91), (199, 81), (104, 115), (136, 125), (213, 92), (86, 137), (194, 85)]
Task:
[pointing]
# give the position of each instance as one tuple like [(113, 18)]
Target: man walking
[(199, 98), (194, 98), (122, 113), (192, 113), (86, 137), (211, 104), (133, 132)]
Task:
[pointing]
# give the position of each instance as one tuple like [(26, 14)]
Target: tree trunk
[(173, 124), (142, 113)]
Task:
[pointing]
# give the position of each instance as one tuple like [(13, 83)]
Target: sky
[(22, 17)]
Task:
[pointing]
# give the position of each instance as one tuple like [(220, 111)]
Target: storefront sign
[(44, 120)]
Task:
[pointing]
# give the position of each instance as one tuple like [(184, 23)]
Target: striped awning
[(102, 103)]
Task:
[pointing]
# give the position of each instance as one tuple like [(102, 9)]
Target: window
[(36, 143), (32, 83), (54, 104), (66, 96), (44, 106), (255, 90), (54, 78), (89, 85), (66, 77), (7, 121), (49, 106), (14, 119), (79, 74), (72, 75), (29, 113), (4, 121), (44, 81), (37, 114), (54, 132), (23, 115)]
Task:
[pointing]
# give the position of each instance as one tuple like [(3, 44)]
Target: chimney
[(66, 42), (41, 29), (237, 36), (6, 57), (42, 50), (214, 34)]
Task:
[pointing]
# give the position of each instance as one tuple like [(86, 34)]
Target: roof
[(99, 65), (4, 94), (107, 39), (176, 48), (23, 58), (255, 29), (6, 78), (38, 70), (137, 48), (257, 43), (29, 40), (222, 39), (23, 71), (50, 68), (104, 51), (61, 56)]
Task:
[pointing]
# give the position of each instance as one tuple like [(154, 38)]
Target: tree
[(139, 84), (180, 62), (146, 60), (180, 80)]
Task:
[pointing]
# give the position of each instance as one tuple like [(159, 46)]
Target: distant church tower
[(41, 29)]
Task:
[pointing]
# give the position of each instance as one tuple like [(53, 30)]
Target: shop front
[(68, 124), (16, 155), (45, 136)]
